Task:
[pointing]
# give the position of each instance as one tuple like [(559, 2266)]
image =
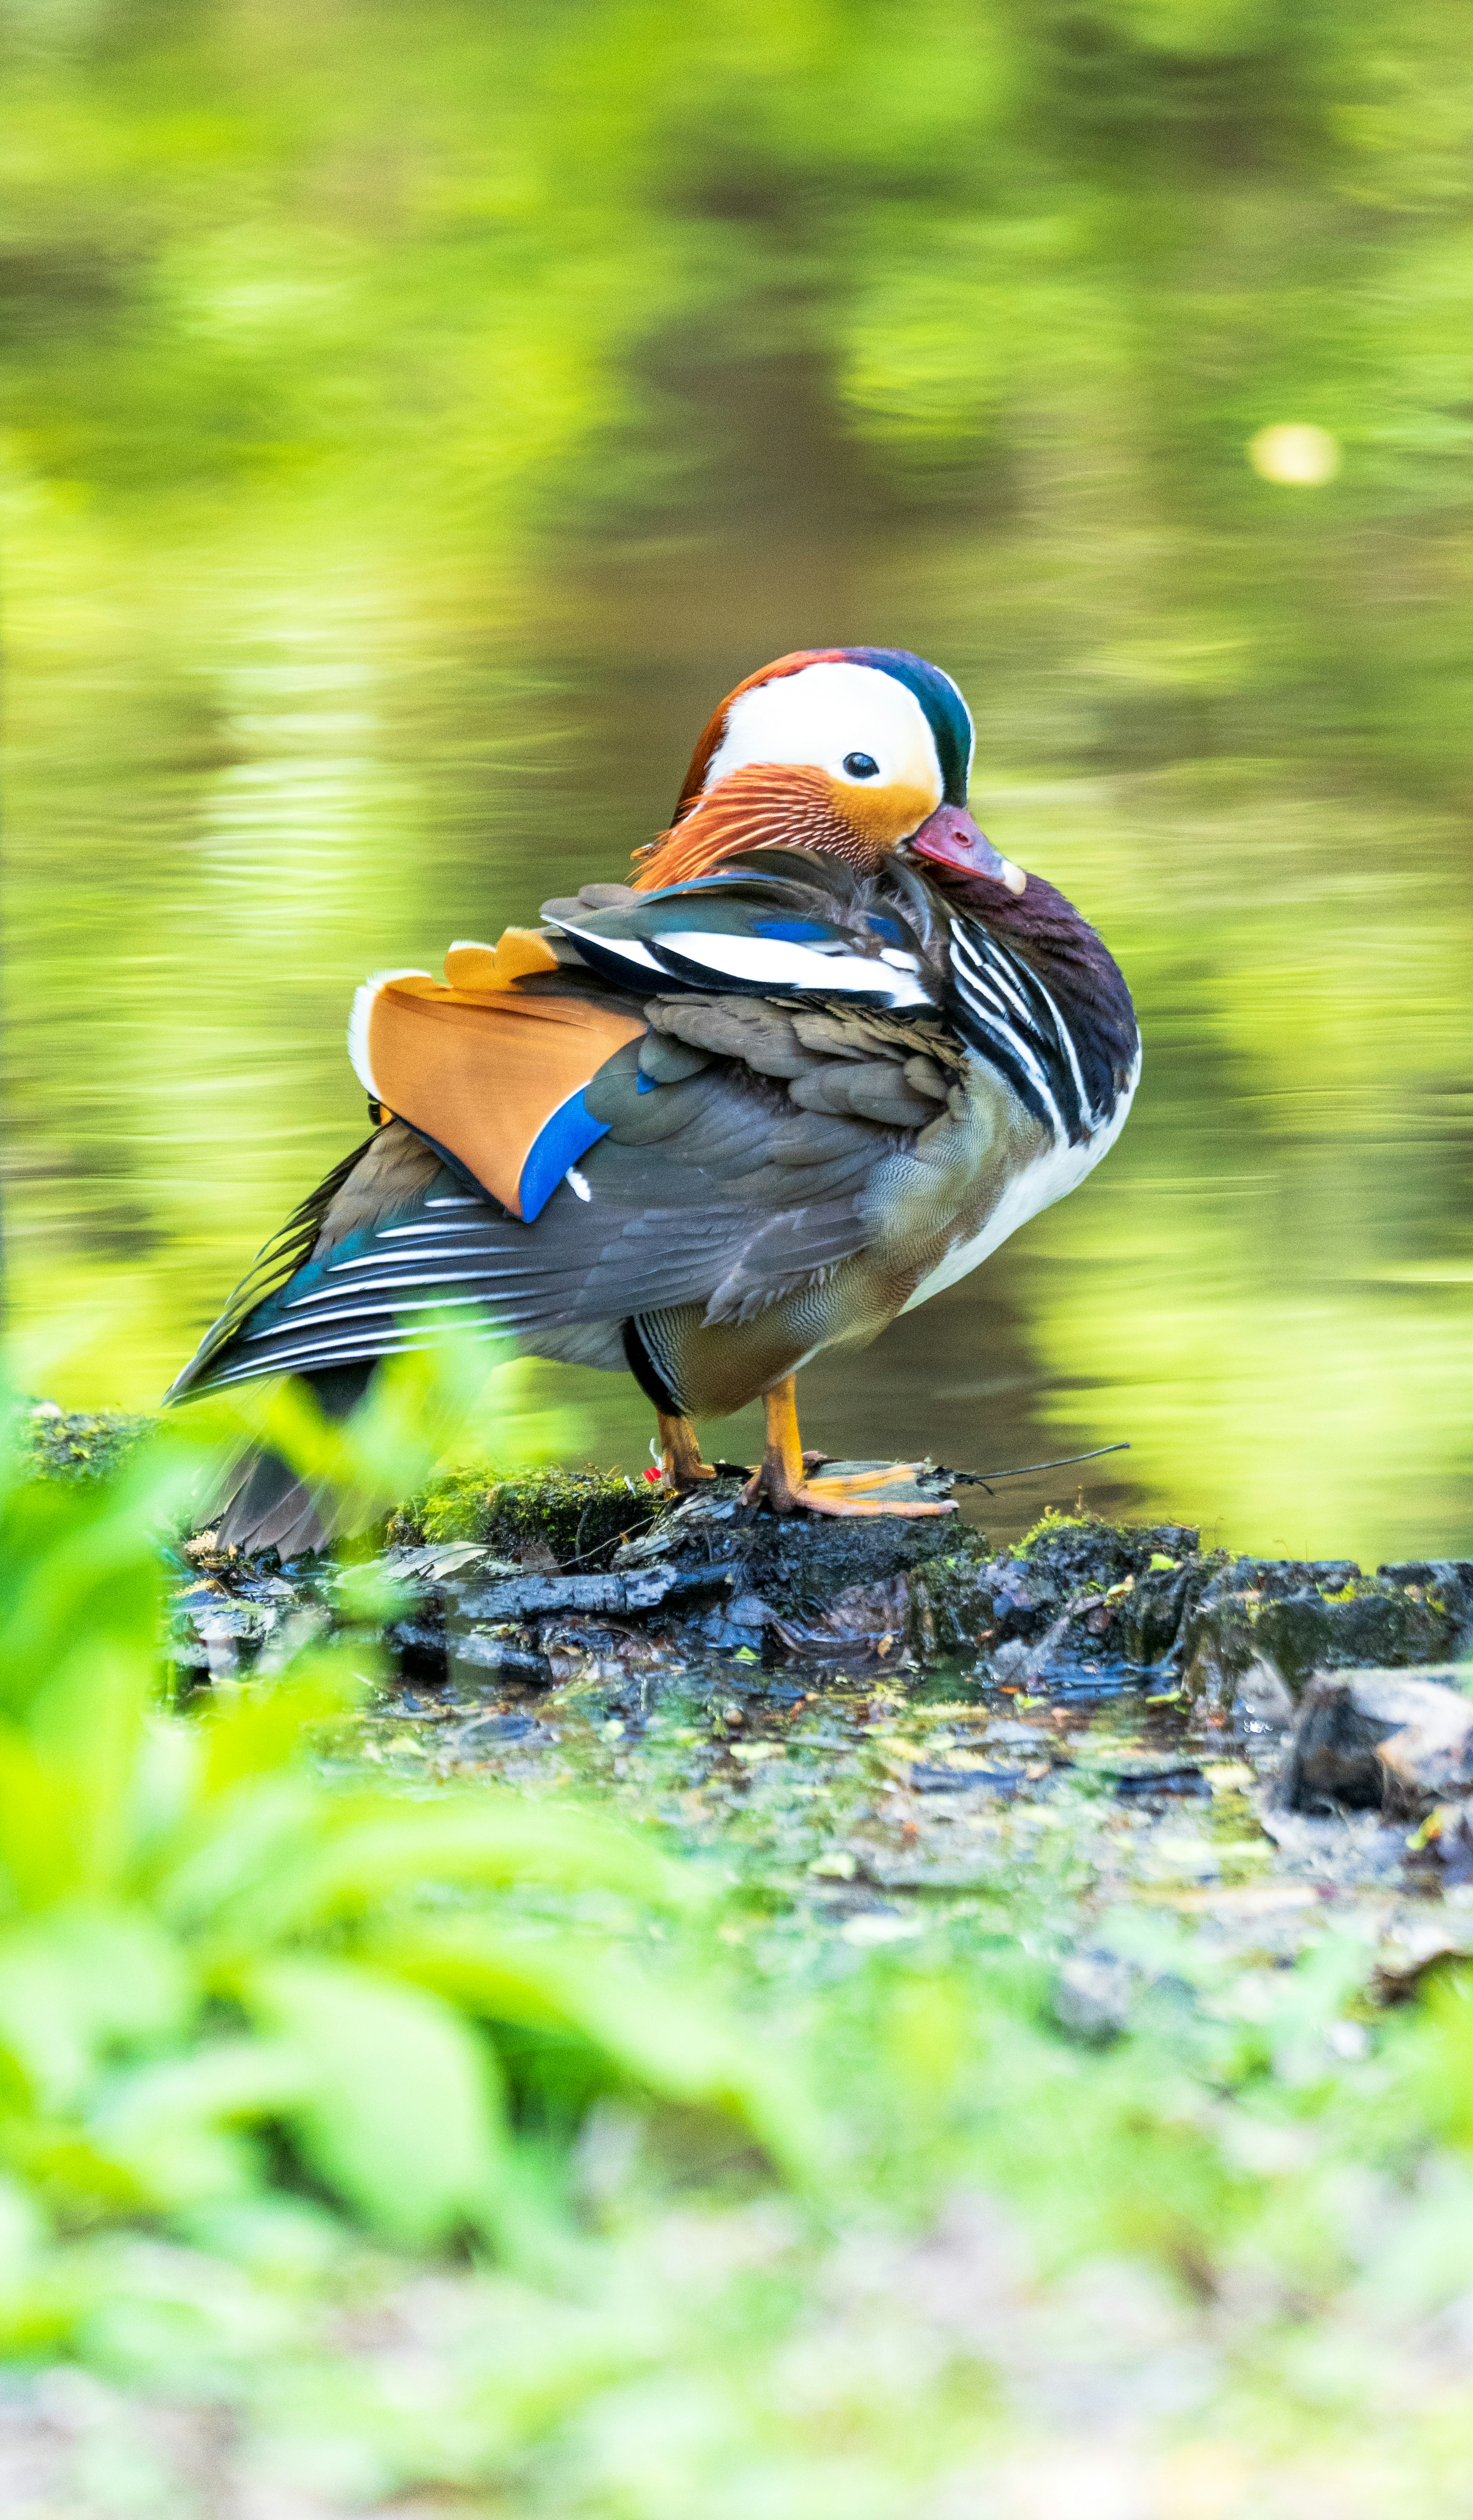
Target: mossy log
[(486, 1562)]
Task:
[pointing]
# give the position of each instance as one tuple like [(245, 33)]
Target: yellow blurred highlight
[(1295, 452)]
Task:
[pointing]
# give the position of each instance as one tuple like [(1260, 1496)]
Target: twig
[(611, 1540), (980, 1478)]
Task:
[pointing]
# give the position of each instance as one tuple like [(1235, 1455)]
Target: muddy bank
[(533, 1575), (873, 1724)]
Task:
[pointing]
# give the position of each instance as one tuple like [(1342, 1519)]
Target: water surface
[(418, 422)]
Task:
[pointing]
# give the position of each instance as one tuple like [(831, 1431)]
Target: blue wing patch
[(565, 1134)]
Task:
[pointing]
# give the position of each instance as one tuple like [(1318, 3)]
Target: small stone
[(840, 1866), (750, 1610), (1446, 1841), (1263, 1699), (873, 1927), (1405, 1957), (489, 1731), (1091, 1998), (1431, 1758), (511, 1657), (963, 1776), (1381, 1740)]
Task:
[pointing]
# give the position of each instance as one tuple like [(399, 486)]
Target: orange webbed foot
[(883, 1488), (680, 1453), (794, 1482)]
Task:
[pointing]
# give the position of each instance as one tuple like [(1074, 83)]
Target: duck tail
[(264, 1504)]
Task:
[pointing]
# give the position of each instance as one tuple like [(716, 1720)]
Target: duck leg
[(680, 1451), (790, 1477)]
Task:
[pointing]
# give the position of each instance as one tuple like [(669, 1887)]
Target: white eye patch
[(821, 715)]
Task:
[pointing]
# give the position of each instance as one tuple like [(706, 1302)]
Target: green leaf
[(78, 1984), (404, 2121), (372, 1846), (254, 1844), (670, 2040), (263, 1731), (168, 2124)]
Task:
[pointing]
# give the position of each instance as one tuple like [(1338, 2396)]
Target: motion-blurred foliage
[(245, 252)]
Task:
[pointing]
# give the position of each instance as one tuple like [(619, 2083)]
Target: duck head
[(854, 752)]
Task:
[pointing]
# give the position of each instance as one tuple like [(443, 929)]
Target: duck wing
[(717, 1147), (493, 1074)]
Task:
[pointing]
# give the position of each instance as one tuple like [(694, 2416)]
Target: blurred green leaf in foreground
[(361, 2141), (220, 1971)]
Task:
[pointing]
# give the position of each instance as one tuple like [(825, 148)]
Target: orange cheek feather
[(886, 815), (770, 806)]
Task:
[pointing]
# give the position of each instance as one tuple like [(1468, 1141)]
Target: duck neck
[(1046, 934)]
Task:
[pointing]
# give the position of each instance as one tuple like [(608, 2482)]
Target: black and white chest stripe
[(1005, 1012), (1076, 1086)]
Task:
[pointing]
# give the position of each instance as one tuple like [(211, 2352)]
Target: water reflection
[(405, 460)]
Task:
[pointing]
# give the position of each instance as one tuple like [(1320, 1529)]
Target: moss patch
[(58, 1443), (573, 1514), (1083, 1549)]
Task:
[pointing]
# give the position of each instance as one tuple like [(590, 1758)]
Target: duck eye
[(860, 765)]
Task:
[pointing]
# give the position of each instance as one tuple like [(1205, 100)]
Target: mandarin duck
[(817, 1060)]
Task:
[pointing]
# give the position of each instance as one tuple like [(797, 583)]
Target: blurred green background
[(416, 417)]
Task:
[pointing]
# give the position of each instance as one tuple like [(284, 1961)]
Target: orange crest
[(716, 726)]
